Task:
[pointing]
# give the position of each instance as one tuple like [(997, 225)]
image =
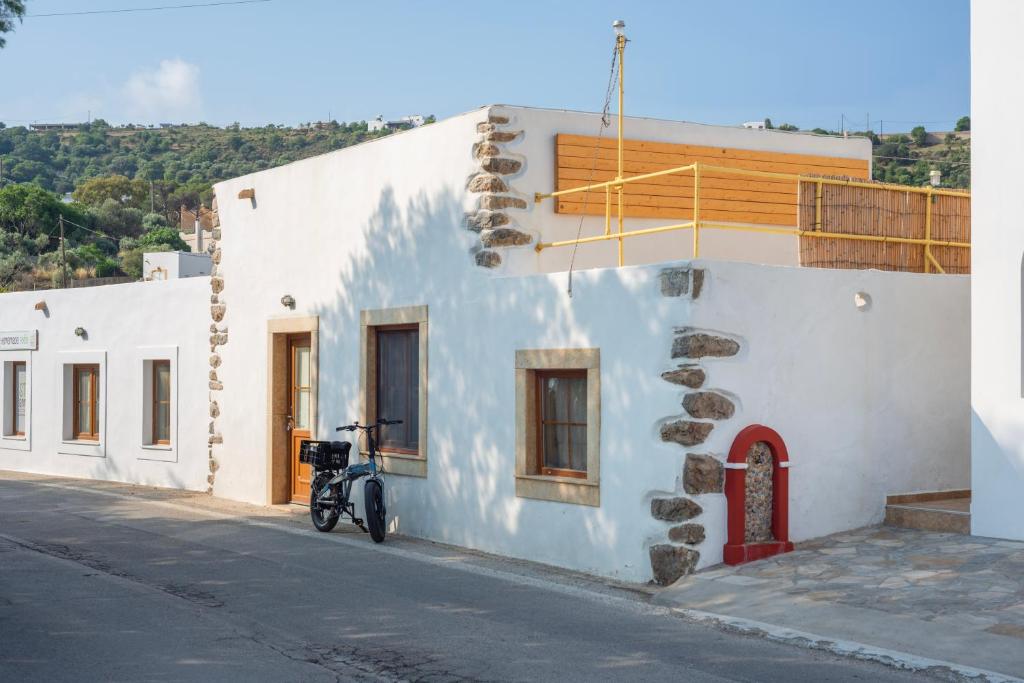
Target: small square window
[(561, 423), (558, 425)]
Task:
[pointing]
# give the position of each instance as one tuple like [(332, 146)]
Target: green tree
[(30, 211), (116, 219), (768, 124), (124, 191), (10, 10), (963, 123), (919, 135), (788, 126)]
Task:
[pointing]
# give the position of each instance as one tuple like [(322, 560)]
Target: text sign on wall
[(23, 340)]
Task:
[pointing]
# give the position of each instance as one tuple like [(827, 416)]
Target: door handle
[(289, 423)]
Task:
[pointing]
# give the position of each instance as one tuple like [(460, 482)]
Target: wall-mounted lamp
[(247, 193), (40, 306), (80, 332), (288, 301)]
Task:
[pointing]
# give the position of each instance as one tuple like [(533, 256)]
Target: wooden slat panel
[(883, 211), (584, 160)]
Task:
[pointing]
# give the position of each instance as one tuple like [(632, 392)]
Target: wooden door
[(299, 411)]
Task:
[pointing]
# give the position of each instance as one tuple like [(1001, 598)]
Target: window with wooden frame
[(161, 402), (397, 391), (558, 425), (18, 400), (561, 416), (85, 397), (393, 384)]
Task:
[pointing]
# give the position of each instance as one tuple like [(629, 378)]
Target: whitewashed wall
[(124, 324), (870, 401), (380, 226), (997, 380)]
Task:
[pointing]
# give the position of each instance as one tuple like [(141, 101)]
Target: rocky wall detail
[(702, 410), (493, 218), (218, 338)]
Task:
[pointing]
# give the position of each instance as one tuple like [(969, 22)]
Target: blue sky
[(287, 61)]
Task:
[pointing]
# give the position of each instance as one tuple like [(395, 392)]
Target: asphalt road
[(100, 585)]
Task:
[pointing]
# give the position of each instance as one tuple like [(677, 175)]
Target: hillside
[(127, 186)]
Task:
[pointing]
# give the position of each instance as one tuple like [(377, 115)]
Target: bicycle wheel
[(324, 518), (373, 494)]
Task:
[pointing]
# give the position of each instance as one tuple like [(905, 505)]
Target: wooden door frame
[(278, 442)]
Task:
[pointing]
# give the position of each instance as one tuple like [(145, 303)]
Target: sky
[(895, 63)]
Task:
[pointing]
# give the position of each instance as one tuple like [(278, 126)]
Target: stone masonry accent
[(703, 474), (692, 376), (690, 533), (685, 432), (680, 281), (671, 562), (702, 345), (490, 220), (218, 338), (675, 509), (708, 405)]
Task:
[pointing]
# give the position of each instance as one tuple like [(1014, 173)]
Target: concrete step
[(945, 511)]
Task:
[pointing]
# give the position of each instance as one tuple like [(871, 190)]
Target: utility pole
[(199, 229), (63, 258)]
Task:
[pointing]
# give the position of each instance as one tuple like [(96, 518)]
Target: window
[(19, 398), (15, 389), (562, 422), (161, 402), (398, 386), (393, 384), (85, 395), (558, 425)]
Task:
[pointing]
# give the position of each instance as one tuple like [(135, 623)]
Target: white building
[(997, 291), (404, 123), (419, 277), (170, 265)]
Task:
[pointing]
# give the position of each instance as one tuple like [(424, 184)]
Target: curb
[(845, 648)]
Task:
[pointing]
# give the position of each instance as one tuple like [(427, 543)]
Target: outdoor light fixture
[(40, 306), (79, 331), (619, 26), (288, 301)]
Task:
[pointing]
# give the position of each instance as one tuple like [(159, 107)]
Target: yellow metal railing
[(698, 169), (696, 224)]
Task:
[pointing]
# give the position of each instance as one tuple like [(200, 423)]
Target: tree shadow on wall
[(419, 253)]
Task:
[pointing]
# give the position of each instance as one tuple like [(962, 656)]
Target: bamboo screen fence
[(882, 211)]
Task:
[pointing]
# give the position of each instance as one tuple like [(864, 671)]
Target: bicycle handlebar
[(354, 426)]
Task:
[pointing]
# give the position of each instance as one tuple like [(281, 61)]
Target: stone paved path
[(945, 583)]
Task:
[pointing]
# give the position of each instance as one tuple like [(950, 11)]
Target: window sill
[(14, 437), (157, 447), (559, 489), (405, 464), (82, 442)]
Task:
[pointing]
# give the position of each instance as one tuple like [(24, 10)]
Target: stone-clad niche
[(757, 488), (757, 491)]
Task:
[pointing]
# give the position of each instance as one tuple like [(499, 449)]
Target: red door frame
[(736, 551)]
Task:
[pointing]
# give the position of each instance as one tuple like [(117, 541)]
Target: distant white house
[(171, 265), (755, 125), (403, 123)]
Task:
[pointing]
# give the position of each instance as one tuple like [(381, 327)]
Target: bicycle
[(331, 483)]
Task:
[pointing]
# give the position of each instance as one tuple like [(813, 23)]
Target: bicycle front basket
[(324, 455)]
